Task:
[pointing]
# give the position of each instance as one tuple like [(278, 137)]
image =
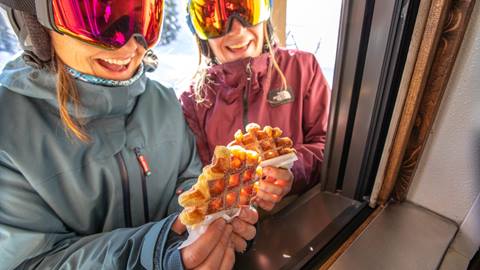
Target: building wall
[(448, 178)]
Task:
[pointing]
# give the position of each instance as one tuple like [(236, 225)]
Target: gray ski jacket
[(65, 204)]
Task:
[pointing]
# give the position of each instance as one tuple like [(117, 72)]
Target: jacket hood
[(95, 100)]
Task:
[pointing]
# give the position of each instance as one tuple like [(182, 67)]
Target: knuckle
[(278, 190), (266, 205), (252, 216), (191, 259), (241, 229), (245, 213), (251, 233), (236, 224), (263, 184), (262, 195), (218, 227)]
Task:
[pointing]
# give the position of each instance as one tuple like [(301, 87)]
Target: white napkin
[(195, 231)]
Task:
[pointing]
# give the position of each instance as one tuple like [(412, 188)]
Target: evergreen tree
[(171, 25)]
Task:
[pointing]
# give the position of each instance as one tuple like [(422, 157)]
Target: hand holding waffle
[(212, 250), (274, 185), (244, 228)]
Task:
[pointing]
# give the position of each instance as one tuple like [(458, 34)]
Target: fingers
[(216, 257), (283, 183), (228, 258), (265, 205), (269, 197), (248, 215), (276, 181), (278, 173), (197, 252), (271, 188), (243, 229), (239, 243)]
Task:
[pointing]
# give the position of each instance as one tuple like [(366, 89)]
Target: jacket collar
[(96, 101), (229, 80)]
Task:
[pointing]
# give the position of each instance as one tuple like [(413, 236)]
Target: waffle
[(227, 183), (266, 142)]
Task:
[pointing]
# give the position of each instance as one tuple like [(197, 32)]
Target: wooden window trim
[(443, 34), (279, 20)]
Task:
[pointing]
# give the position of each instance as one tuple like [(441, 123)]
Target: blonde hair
[(201, 79), (67, 92)]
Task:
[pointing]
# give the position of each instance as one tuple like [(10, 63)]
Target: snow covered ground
[(179, 59)]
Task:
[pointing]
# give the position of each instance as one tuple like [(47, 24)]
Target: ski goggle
[(213, 18), (105, 23)]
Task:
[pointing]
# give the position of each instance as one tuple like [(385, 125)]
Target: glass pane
[(312, 26), (8, 42), (178, 57)]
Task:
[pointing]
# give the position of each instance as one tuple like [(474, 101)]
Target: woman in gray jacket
[(93, 154)]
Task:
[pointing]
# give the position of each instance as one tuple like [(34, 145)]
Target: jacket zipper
[(125, 187), (245, 94), (145, 172)]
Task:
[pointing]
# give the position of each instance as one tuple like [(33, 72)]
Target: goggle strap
[(44, 14)]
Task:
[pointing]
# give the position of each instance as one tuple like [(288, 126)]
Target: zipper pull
[(249, 70), (142, 161)]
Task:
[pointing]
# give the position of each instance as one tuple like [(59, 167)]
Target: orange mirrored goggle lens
[(212, 18), (109, 24)]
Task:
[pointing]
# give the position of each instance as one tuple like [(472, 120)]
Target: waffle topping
[(266, 142)]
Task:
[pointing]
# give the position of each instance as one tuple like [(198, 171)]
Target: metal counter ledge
[(294, 235)]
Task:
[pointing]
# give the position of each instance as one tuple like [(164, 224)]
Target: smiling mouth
[(115, 65), (239, 47)]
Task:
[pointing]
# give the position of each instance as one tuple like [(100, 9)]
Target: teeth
[(118, 62), (238, 46)]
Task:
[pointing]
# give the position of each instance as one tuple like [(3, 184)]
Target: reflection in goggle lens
[(212, 18)]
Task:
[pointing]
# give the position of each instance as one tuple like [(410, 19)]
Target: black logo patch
[(279, 97)]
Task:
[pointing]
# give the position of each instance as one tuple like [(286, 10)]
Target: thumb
[(178, 227)]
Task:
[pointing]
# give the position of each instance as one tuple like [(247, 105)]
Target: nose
[(236, 28), (131, 45)]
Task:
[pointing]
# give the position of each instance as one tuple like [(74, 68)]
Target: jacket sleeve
[(33, 237), (191, 116), (189, 170), (316, 105)]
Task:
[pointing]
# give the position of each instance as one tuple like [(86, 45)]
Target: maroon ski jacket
[(244, 91)]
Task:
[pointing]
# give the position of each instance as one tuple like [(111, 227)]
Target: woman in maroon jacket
[(246, 78)]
